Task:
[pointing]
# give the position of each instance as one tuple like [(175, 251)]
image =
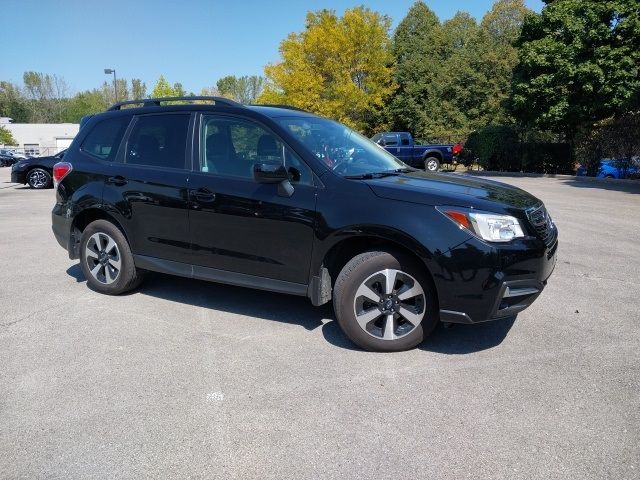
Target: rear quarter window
[(104, 138)]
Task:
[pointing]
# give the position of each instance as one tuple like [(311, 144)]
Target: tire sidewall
[(127, 270), (431, 159), (343, 303)]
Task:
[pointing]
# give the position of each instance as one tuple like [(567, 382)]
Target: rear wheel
[(39, 178), (431, 164), (106, 259), (384, 303)]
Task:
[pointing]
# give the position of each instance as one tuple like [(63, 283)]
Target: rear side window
[(159, 141), (390, 139), (405, 140), (105, 137)]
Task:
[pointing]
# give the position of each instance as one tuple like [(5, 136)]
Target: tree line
[(44, 98), (516, 86), (523, 90)]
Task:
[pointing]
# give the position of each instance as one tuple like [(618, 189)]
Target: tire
[(106, 259), (431, 164), (363, 280), (39, 178)]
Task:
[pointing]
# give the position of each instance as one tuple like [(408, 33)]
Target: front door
[(239, 225)]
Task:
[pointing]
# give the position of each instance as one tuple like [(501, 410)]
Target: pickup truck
[(429, 157)]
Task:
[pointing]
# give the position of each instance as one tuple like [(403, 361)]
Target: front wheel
[(106, 259), (39, 178), (431, 164), (384, 303)]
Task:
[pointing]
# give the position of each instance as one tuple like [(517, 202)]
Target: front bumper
[(18, 177), (487, 292)]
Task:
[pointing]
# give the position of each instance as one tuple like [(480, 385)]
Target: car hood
[(452, 189)]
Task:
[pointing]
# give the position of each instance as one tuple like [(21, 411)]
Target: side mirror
[(381, 142), (269, 172)]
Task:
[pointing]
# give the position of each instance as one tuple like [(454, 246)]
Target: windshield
[(343, 150)]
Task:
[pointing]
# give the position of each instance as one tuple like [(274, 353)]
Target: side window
[(159, 140), (405, 141), (390, 139), (105, 137), (231, 147)]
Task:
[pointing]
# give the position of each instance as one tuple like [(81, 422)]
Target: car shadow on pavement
[(612, 185), (463, 339), (457, 340), (226, 298)]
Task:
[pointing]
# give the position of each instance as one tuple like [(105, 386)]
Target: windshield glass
[(345, 151)]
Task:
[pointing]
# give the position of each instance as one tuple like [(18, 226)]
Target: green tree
[(340, 67), (86, 103), (178, 90), (454, 77), (13, 103), (6, 138), (138, 89), (45, 96), (162, 88), (458, 93), (244, 89), (496, 57), (579, 62), (418, 49)]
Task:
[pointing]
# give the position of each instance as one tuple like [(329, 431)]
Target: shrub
[(498, 148), (612, 138)]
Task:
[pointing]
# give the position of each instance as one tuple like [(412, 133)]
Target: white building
[(42, 138)]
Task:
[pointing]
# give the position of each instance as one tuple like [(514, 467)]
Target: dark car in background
[(7, 160), (428, 157), (282, 200), (37, 172), (8, 156)]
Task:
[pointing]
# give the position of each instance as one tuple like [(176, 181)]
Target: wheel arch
[(84, 218), (353, 241), (433, 153)]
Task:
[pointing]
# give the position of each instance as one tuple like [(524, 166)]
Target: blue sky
[(194, 42)]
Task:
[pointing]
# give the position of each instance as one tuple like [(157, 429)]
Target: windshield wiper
[(386, 173)]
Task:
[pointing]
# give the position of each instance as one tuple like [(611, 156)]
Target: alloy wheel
[(432, 165), (389, 304), (37, 179), (103, 258)]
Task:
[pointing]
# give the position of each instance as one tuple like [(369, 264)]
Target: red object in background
[(457, 148)]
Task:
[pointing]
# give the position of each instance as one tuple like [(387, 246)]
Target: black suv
[(276, 198)]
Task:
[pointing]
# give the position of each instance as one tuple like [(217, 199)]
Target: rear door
[(148, 186), (405, 149), (391, 143)]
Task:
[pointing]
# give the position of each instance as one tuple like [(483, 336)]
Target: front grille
[(542, 224)]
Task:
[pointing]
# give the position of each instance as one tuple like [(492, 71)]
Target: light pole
[(109, 71)]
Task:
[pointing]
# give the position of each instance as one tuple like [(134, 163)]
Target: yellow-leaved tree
[(338, 67)]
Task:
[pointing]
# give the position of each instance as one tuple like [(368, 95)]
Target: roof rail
[(273, 105), (155, 102)]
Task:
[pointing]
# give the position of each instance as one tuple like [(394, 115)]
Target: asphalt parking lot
[(183, 378)]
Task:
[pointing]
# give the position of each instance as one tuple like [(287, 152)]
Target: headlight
[(491, 227)]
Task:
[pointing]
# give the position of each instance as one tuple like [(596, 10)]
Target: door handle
[(117, 180), (204, 195)]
